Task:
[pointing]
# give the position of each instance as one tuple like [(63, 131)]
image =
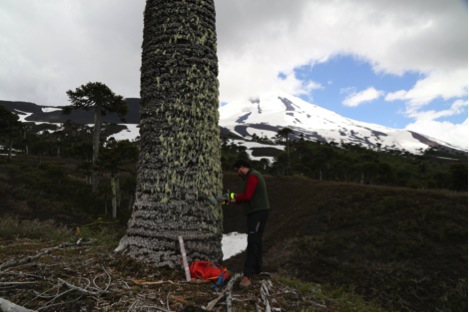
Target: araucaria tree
[(179, 168), (9, 124), (98, 97)]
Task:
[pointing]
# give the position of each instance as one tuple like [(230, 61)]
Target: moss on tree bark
[(179, 167)]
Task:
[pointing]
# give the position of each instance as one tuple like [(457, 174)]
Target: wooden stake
[(184, 259)]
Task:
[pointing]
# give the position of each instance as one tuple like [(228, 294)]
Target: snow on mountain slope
[(268, 113), (264, 116)]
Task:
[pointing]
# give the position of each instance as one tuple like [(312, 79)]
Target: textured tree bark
[(179, 168)]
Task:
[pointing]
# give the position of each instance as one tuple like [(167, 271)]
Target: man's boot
[(245, 282)]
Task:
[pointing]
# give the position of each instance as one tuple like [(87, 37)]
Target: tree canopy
[(96, 96), (100, 98)]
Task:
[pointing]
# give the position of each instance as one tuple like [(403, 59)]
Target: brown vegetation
[(404, 248), (329, 246), (83, 274)]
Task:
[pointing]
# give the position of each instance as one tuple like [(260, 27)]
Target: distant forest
[(432, 169)]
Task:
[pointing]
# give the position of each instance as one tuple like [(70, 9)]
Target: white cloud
[(367, 95), (428, 122), (458, 107), (57, 45), (395, 37), (48, 47), (419, 36), (445, 85), (455, 134)]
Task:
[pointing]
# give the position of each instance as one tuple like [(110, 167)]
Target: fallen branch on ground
[(16, 283), (265, 288), (227, 292), (81, 290), (29, 259), (146, 282)]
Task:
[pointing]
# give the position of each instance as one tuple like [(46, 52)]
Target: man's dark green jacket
[(260, 200)]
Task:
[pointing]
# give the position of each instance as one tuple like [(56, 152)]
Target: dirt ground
[(89, 277)]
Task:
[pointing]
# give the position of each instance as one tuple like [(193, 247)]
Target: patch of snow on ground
[(250, 145), (131, 133), (23, 116), (233, 244), (47, 110)]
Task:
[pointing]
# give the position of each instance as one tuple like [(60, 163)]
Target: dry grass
[(90, 277), (404, 248)]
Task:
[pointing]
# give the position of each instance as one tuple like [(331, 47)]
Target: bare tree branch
[(29, 259), (227, 292), (81, 290), (265, 287), (16, 283)]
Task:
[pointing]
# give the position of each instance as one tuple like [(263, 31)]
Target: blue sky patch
[(345, 75)]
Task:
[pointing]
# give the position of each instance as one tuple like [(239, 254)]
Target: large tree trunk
[(179, 168)]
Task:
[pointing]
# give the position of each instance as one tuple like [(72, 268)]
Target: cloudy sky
[(400, 63)]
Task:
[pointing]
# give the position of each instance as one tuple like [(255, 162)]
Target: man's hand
[(228, 198)]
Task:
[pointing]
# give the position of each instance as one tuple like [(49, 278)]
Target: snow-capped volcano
[(265, 115)]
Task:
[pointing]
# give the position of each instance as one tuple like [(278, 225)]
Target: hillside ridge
[(403, 248), (264, 117)]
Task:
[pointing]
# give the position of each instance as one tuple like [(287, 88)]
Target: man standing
[(256, 209)]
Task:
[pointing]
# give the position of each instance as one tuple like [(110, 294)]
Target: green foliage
[(340, 299), (9, 129), (96, 96), (107, 232), (7, 120), (51, 189), (352, 163), (12, 228), (117, 154), (459, 177), (230, 153), (43, 142)]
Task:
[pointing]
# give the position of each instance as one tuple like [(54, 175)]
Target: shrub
[(12, 228)]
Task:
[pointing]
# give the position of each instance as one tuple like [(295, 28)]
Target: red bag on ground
[(206, 270)]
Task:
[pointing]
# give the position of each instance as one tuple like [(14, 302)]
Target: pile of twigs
[(84, 276)]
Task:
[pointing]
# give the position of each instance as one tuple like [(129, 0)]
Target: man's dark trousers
[(256, 224)]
